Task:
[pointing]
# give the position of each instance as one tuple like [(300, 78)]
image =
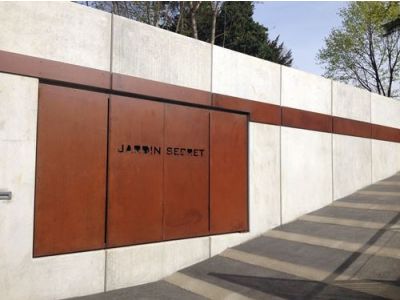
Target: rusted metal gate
[(228, 172), (186, 168), (135, 177), (115, 171), (70, 171)]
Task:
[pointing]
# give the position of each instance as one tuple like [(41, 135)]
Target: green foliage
[(236, 30), (360, 53), (276, 52)]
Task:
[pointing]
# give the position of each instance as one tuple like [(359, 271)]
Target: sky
[(302, 27)]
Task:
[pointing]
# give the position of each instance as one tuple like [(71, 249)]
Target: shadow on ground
[(304, 289)]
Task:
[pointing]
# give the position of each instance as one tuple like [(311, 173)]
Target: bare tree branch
[(194, 6)]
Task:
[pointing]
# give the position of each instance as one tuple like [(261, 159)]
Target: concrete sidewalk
[(347, 250)]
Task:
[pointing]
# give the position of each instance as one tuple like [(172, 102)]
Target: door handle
[(5, 195)]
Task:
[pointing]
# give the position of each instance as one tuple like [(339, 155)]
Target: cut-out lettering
[(156, 150)]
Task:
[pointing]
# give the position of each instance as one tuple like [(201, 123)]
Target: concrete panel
[(305, 91), (148, 52), (219, 243), (129, 266), (21, 276), (232, 71), (351, 102), (264, 185), (385, 111), (385, 159), (61, 31), (264, 180), (306, 162), (58, 277), (351, 164), (17, 117)]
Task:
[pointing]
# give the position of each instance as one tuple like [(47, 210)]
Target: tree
[(277, 53), (236, 30), (227, 24), (360, 53), (156, 13), (215, 9)]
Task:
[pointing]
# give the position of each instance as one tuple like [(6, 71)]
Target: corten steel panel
[(71, 171), (385, 133), (186, 172), (135, 177), (158, 89), (303, 119), (53, 70), (259, 112), (351, 127), (228, 172)]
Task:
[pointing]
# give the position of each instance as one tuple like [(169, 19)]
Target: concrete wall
[(58, 31), (305, 154), (352, 156), (21, 276), (230, 73), (231, 70), (147, 52), (385, 155), (291, 171)]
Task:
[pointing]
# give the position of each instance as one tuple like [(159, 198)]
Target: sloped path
[(347, 250)]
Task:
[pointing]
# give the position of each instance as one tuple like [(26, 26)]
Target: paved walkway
[(347, 250)]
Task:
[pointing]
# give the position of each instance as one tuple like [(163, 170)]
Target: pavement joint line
[(276, 265), (385, 290), (378, 193), (334, 244), (372, 206), (342, 222), (387, 183), (373, 288), (203, 288)]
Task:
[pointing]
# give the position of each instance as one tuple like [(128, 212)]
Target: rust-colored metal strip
[(186, 171), (131, 84), (53, 70), (292, 117), (228, 172), (135, 176), (70, 171), (385, 133), (351, 127), (41, 68), (259, 111)]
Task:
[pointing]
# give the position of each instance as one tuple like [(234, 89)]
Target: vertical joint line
[(248, 171), (212, 75), (107, 153), (106, 192), (280, 149), (371, 138), (209, 147), (107, 170), (111, 45), (163, 179), (105, 270), (332, 133), (209, 183), (36, 164)]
